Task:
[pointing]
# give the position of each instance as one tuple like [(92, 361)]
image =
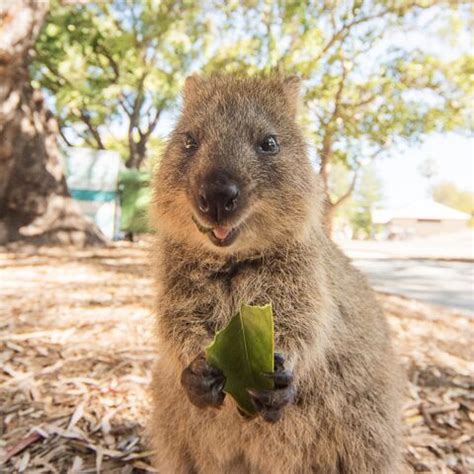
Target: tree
[(367, 194), (110, 68), (340, 181), (366, 93), (357, 209), (428, 169), (34, 201), (449, 194)]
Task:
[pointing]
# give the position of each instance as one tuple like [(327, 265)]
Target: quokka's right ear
[(292, 89), (191, 87)]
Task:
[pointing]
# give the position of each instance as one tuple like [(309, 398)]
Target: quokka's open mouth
[(221, 236)]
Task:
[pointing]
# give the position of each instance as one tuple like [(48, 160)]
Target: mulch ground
[(76, 353)]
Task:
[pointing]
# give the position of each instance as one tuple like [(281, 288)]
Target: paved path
[(458, 246), (439, 282)]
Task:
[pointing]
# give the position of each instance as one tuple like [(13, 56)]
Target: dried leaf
[(76, 465), (19, 446), (77, 415)]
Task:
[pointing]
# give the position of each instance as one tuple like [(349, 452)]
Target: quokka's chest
[(222, 298), (217, 290)]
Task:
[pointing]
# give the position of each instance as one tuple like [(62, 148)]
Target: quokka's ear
[(192, 84), (292, 88)]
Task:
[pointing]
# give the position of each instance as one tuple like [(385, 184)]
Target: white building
[(421, 219)]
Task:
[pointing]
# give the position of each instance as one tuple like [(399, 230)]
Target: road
[(437, 270), (444, 283)]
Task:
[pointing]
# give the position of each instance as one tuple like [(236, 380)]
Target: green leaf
[(243, 350)]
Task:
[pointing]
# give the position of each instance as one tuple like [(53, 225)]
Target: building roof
[(424, 209)]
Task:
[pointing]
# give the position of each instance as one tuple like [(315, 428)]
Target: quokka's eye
[(190, 142), (269, 146)]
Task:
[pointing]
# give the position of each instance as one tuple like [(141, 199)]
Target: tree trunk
[(34, 201), (327, 217), (137, 152), (328, 206)]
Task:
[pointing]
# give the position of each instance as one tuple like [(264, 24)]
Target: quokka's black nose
[(218, 197)]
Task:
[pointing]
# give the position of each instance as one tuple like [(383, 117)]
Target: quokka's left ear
[(292, 89), (192, 85)]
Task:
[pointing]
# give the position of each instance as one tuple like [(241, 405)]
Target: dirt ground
[(76, 352)]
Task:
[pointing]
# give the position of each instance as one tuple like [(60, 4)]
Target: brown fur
[(327, 321)]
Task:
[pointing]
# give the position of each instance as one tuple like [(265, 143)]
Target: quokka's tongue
[(221, 232)]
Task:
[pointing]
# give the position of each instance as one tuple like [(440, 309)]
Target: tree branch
[(63, 136), (112, 62), (349, 191), (345, 30), (152, 124), (140, 147), (326, 150), (134, 124), (361, 103), (340, 90), (123, 103), (87, 139), (92, 129)]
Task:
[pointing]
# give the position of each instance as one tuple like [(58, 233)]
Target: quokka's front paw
[(271, 403), (203, 383)]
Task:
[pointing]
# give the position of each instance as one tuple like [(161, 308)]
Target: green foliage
[(357, 210), (367, 195), (376, 74), (449, 194), (111, 65), (135, 197), (243, 350)]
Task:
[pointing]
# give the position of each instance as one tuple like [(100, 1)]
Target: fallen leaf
[(20, 446)]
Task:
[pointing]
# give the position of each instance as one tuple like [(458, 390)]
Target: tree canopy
[(373, 81), (112, 68), (449, 194)]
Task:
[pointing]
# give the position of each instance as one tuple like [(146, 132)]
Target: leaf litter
[(76, 356)]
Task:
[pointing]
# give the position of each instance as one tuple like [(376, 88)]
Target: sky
[(453, 157), (452, 154)]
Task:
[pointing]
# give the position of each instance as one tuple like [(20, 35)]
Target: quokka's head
[(235, 176)]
